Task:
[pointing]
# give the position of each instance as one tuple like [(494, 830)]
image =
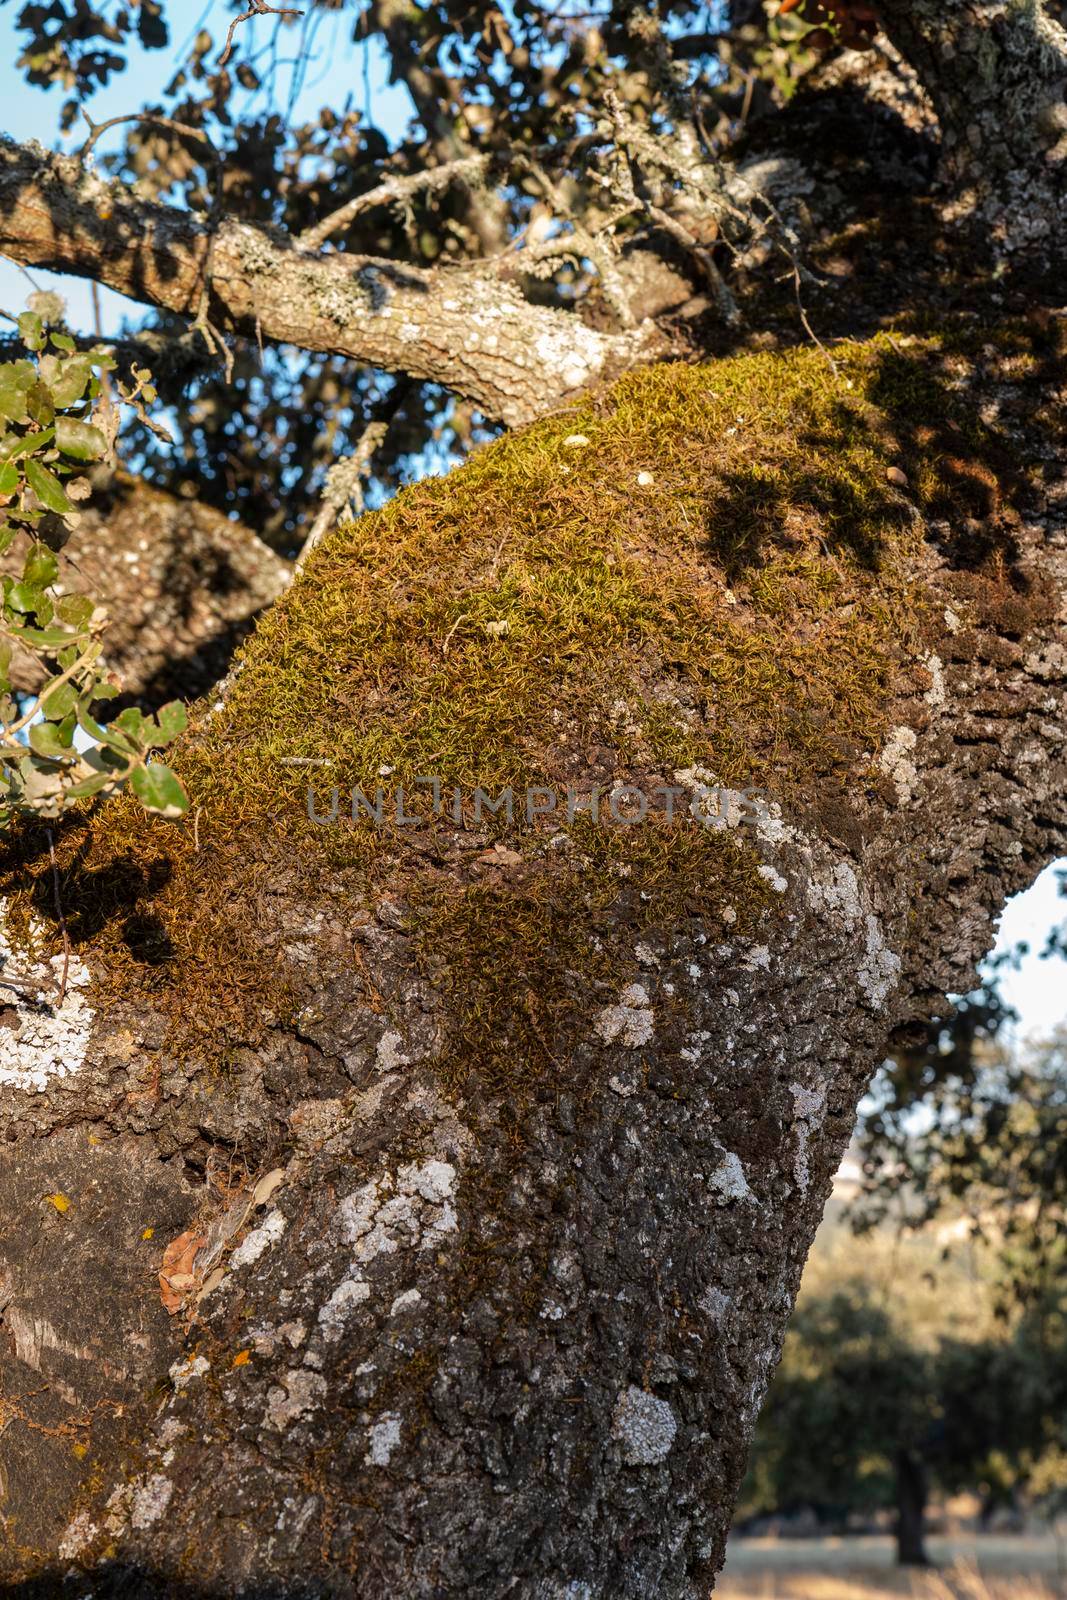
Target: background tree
[(908, 1376), (968, 1119)]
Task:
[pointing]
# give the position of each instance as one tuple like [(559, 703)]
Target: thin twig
[(808, 329), (342, 487), (152, 117), (256, 9), (62, 918), (86, 658), (451, 632), (466, 169)]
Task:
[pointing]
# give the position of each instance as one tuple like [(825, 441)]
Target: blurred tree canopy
[(497, 81), (904, 1377), (963, 1116)]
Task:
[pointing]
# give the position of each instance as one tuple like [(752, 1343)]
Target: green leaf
[(80, 439), (31, 330), (16, 378), (57, 704), (40, 638), (86, 718), (159, 790), (47, 740), (172, 720), (62, 341), (90, 786), (75, 609), (132, 722), (9, 478), (39, 404), (28, 598), (68, 385), (41, 569), (13, 448), (47, 487)]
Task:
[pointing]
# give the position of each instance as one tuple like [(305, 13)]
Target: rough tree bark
[(181, 583), (468, 328), (996, 71)]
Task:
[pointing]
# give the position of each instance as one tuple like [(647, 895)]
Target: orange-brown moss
[(703, 565)]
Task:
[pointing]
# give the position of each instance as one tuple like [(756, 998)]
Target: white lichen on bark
[(42, 1036)]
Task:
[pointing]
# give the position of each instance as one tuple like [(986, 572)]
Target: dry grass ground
[(998, 1569)]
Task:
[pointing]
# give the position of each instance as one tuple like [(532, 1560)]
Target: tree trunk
[(911, 1510), (996, 71), (181, 584), (418, 1210)]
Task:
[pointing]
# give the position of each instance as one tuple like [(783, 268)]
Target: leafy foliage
[(56, 420), (530, 87), (892, 1358)]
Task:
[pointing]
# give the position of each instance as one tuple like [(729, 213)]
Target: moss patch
[(703, 565), (730, 526)]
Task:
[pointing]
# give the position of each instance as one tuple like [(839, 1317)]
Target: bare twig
[(704, 259), (466, 169), (343, 487), (62, 919), (257, 8), (156, 120), (808, 329)]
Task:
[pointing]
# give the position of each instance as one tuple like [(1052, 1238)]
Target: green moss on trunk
[(715, 566)]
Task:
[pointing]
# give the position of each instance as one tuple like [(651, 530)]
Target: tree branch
[(467, 169), (463, 327)]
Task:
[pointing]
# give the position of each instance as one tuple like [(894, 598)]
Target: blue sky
[(341, 68), (1038, 990)]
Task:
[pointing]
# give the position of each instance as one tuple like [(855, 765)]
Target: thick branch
[(464, 328)]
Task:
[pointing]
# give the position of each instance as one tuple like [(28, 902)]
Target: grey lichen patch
[(715, 1303), (897, 763), (260, 1239), (185, 1370), (389, 1055), (412, 1211), (303, 1391), (879, 970), (384, 1437), (809, 1107), (836, 894), (728, 1179), (150, 1501), (645, 1426), (43, 1037), (772, 876), (630, 1022)]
